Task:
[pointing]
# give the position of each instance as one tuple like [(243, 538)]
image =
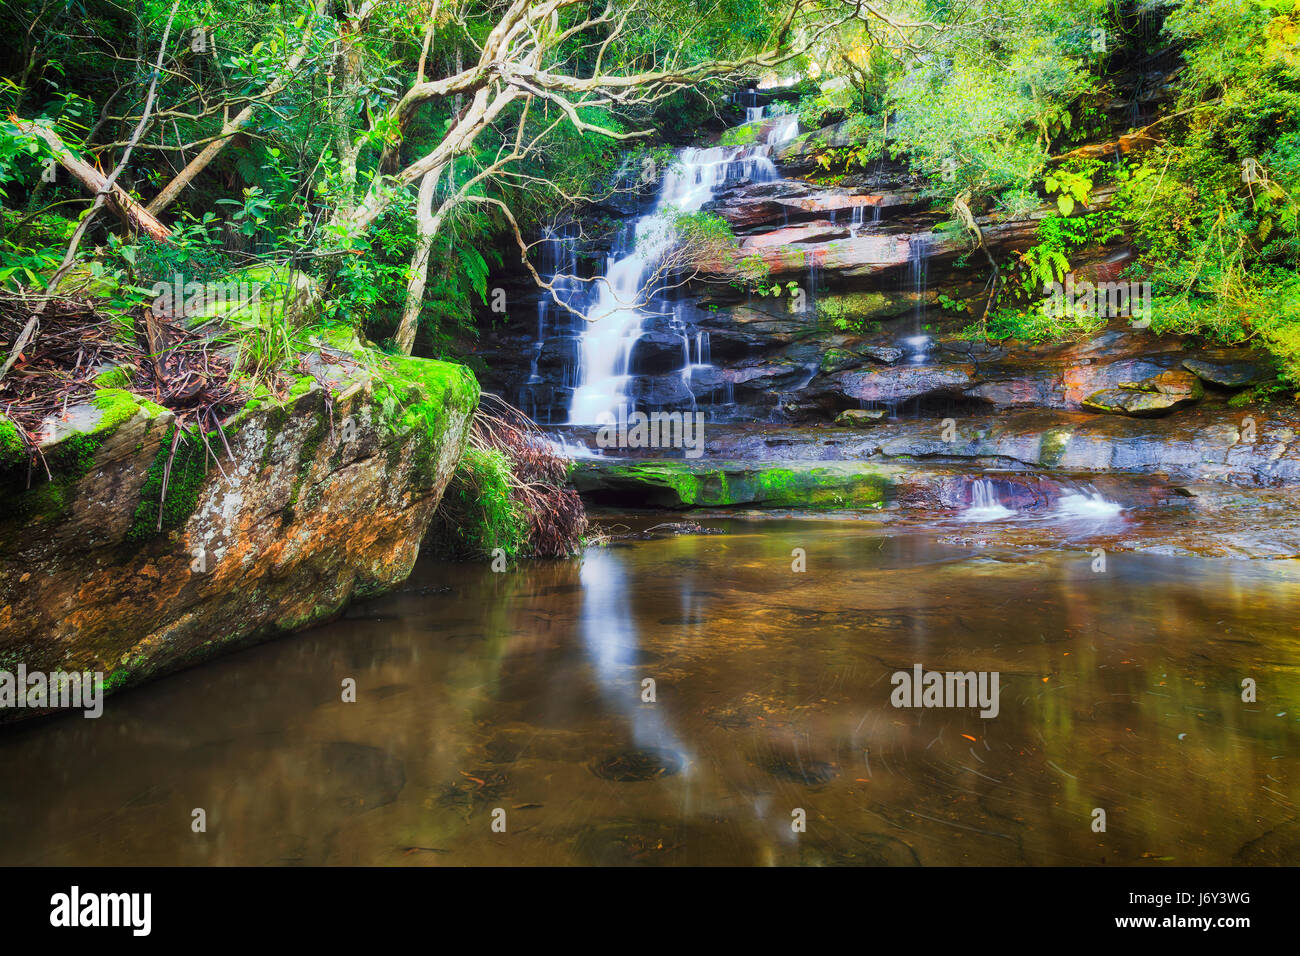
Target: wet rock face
[(310, 508), (852, 272)]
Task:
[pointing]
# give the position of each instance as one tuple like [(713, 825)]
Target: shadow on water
[(524, 691)]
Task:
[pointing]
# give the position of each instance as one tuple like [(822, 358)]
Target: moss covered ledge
[(823, 485)]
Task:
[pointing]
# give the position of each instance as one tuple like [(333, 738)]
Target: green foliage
[(744, 135), (1035, 324), (1072, 186), (841, 315), (776, 289), (981, 113), (477, 512), (1048, 259)]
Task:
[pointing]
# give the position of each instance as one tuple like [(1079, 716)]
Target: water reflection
[(521, 691), (609, 632)]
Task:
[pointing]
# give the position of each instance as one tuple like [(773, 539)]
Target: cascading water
[(918, 256), (626, 291), (1075, 503), (855, 225), (559, 263), (984, 503), (1087, 503)]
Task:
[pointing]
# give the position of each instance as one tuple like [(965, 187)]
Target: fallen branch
[(134, 215)]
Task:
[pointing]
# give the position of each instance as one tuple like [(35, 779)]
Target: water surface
[(523, 692)]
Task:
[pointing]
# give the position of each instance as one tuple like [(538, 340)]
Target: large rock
[(1157, 395), (1125, 401), (1231, 372), (317, 502), (901, 382)]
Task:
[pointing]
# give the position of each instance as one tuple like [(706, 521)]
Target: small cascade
[(984, 504), (784, 129), (855, 225), (566, 448), (1087, 503), (1052, 502)]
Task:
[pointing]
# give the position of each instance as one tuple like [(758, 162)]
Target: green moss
[(425, 396), (116, 680), (835, 359), (116, 377), (188, 472), (259, 291), (676, 484), (856, 311), (11, 445), (69, 460)]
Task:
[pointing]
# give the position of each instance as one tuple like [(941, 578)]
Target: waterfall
[(1075, 503), (559, 265), (855, 225), (984, 504), (626, 291), (918, 257)]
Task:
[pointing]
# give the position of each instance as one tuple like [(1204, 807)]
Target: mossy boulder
[(316, 502), (859, 417)]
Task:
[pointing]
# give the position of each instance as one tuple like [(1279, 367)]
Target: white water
[(571, 449), (918, 255), (984, 504), (1085, 503), (1089, 504), (630, 288)]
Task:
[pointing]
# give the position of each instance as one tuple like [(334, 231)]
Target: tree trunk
[(426, 227)]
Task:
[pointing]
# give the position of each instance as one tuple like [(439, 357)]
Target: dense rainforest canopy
[(399, 151)]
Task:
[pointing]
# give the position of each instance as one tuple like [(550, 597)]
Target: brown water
[(522, 691)]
